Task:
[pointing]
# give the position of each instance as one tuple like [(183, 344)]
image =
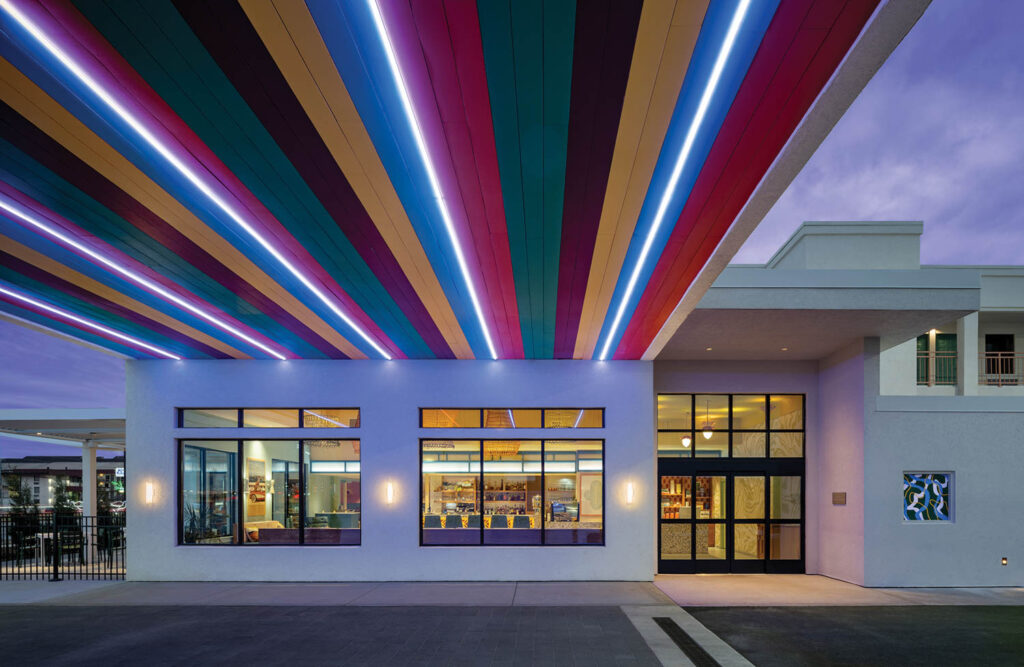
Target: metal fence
[(56, 547), (1001, 369), (936, 368)]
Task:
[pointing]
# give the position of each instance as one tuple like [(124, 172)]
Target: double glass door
[(718, 516)]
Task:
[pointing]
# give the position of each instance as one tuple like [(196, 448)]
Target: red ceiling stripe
[(605, 35), (441, 53), (77, 36), (789, 71)]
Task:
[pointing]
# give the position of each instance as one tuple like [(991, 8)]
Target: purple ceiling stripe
[(232, 41), (602, 54), (31, 140)]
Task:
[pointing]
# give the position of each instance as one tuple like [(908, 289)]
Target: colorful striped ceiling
[(388, 178)]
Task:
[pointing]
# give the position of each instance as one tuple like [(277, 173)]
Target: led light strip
[(9, 207), (421, 145), (137, 125), (71, 317), (677, 169)]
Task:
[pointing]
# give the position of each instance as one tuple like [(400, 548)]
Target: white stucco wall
[(980, 439), (389, 394)]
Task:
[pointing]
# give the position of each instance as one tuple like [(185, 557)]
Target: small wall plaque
[(839, 497)]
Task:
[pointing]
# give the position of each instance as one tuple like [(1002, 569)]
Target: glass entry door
[(717, 518)]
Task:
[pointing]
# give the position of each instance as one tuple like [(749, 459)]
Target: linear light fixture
[(9, 207), (677, 169), (435, 185), (71, 317), (137, 125)]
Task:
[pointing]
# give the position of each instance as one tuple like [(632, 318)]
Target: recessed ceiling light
[(707, 349), (785, 349)]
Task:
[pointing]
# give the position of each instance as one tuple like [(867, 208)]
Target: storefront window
[(333, 493), (511, 417), (209, 492), (209, 418), (285, 491), (270, 508), (270, 418), (737, 426), (451, 492), (512, 492)]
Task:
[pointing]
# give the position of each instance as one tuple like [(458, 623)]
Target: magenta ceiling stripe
[(68, 166), (230, 38), (602, 53), (97, 245), (57, 283), (78, 37), (424, 49)]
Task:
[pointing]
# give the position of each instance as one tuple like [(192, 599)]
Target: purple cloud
[(937, 135)]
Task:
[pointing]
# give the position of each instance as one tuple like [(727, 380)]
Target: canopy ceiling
[(385, 178)]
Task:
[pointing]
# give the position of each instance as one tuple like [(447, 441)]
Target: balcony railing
[(1001, 369), (936, 368)]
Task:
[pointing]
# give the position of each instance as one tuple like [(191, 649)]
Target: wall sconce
[(390, 493), (149, 493), (1004, 560), (630, 492)]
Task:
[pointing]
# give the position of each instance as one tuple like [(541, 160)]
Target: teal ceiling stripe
[(27, 175), (529, 75), (153, 35)]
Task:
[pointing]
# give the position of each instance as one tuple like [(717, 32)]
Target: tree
[(22, 502), (62, 505)]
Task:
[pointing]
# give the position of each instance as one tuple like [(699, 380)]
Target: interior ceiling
[(387, 179), (806, 334)]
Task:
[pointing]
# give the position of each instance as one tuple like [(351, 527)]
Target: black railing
[(61, 546)]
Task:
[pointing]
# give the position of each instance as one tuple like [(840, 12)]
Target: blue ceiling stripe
[(348, 31), (709, 43)]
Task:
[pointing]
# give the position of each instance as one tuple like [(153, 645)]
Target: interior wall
[(390, 394), (839, 464)]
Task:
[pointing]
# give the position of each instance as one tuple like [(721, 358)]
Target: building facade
[(796, 422), (41, 474)]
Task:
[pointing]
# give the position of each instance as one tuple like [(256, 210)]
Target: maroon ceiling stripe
[(227, 34), (35, 273), (783, 82), (36, 143), (602, 54)]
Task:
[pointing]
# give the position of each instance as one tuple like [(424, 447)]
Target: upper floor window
[(512, 417), (268, 417), (936, 358)]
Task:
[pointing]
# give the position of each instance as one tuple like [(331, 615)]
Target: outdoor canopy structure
[(387, 179)]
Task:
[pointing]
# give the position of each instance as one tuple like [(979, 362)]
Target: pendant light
[(686, 439), (708, 425)]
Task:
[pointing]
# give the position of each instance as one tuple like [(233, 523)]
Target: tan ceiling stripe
[(52, 266), (665, 40), (292, 38), (46, 113)]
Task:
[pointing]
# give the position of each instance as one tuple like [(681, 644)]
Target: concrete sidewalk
[(365, 594), (776, 590)]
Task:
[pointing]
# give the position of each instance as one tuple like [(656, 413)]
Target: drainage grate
[(694, 651)]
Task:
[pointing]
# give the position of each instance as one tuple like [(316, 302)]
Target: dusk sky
[(936, 136)]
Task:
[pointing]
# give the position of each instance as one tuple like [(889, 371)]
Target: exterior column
[(967, 355), (88, 478)]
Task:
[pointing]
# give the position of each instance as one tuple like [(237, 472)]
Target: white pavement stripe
[(642, 617)]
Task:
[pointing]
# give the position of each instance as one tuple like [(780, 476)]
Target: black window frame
[(239, 534), (543, 499)]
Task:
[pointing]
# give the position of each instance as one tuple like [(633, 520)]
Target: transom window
[(731, 425), (268, 417), (512, 418)]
